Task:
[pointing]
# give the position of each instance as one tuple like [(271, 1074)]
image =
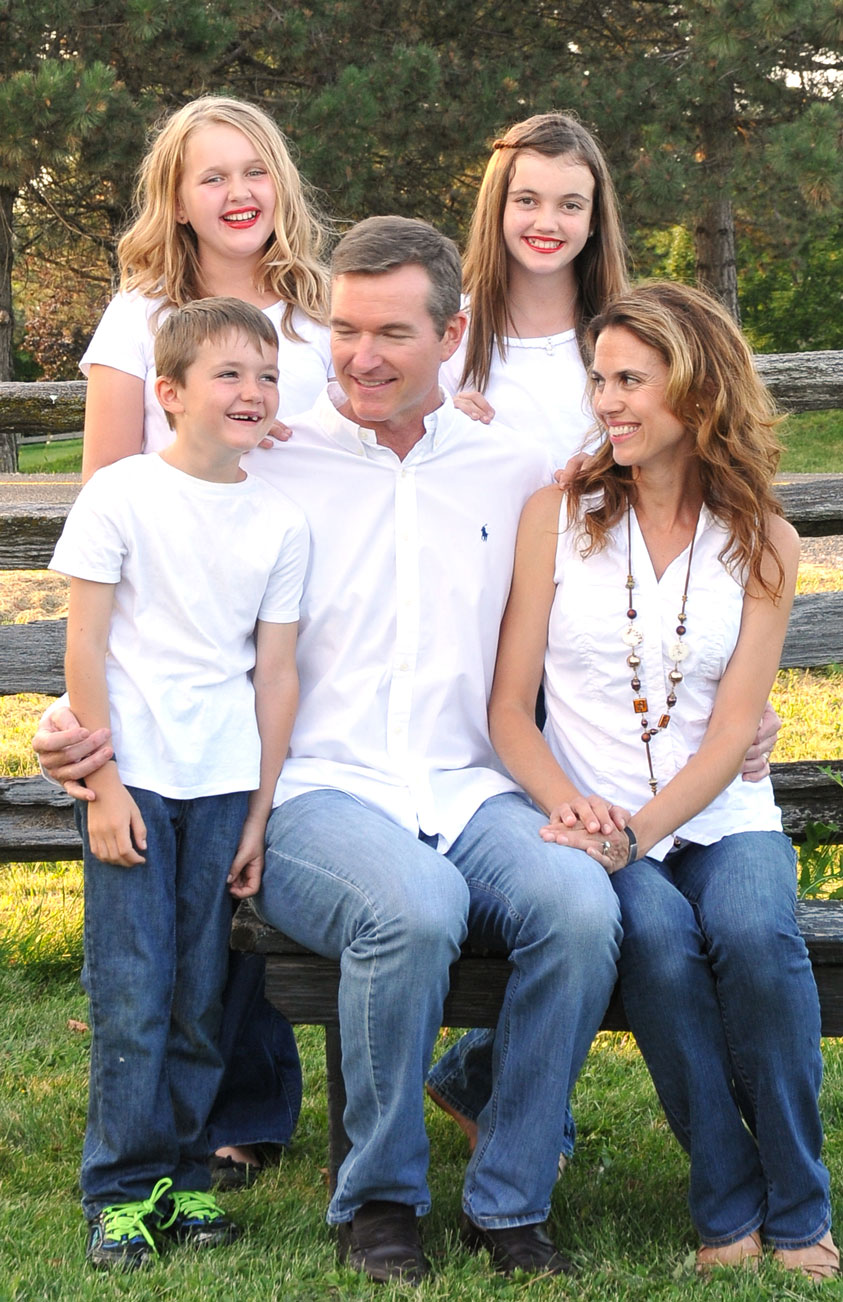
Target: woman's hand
[(69, 753), (590, 814), (611, 849), (756, 765), (473, 404)]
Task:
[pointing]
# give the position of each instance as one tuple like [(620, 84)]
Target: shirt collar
[(358, 438)]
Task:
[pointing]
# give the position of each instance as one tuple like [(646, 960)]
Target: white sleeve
[(282, 597), (123, 339), (92, 545)]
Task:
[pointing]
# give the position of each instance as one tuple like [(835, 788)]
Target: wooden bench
[(304, 986), (36, 819)]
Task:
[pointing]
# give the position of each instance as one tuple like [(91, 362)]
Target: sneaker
[(197, 1219), (123, 1236)]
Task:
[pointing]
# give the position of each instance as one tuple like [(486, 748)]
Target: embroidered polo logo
[(484, 533)]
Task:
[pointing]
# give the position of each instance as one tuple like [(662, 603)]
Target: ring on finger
[(605, 847)]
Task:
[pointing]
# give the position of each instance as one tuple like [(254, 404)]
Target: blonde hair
[(159, 255), (715, 390), (600, 267)]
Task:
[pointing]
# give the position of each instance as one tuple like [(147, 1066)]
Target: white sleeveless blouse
[(591, 726)]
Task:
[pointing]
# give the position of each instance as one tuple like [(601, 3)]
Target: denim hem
[(734, 1236), (457, 1103), (808, 1241), (493, 1222), (253, 1141), (336, 1218)]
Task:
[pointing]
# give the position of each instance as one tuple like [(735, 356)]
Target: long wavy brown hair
[(715, 390), (159, 256), (600, 268)]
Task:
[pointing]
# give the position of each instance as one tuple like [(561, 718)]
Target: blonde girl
[(221, 210)]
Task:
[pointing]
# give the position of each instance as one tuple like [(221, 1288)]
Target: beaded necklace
[(677, 651)]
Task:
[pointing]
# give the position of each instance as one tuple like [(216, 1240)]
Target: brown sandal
[(819, 1261), (743, 1252)]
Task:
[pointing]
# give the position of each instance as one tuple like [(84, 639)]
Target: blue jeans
[(719, 993), (463, 1077), (344, 880), (259, 1097), (156, 953)]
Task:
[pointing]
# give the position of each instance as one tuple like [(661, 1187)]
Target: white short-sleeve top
[(195, 564), (539, 389), (125, 340)]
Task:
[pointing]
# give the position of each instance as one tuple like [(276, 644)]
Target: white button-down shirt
[(409, 574)]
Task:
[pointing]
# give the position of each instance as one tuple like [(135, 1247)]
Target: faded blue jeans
[(344, 880), (156, 955), (719, 993)]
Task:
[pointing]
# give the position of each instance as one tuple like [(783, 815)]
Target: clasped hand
[(589, 823)]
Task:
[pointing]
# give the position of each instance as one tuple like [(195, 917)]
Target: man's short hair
[(184, 330), (381, 244)]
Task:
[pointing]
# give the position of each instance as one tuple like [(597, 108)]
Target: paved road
[(18, 490)]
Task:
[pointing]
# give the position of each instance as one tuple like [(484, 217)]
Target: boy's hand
[(244, 879), (114, 823)]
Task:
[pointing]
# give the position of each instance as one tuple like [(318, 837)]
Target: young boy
[(186, 576)]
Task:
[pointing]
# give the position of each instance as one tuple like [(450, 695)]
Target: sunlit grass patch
[(810, 705), (41, 915)]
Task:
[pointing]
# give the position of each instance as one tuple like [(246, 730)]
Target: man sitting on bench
[(396, 832)]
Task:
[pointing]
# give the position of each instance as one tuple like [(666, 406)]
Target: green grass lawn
[(813, 443), (62, 457), (619, 1210)]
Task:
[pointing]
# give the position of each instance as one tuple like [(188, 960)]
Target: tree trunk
[(7, 200), (714, 248)]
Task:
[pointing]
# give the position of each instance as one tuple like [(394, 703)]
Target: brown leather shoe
[(820, 1261), (382, 1240), (743, 1252), (519, 1247)]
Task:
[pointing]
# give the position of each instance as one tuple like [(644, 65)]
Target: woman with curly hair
[(653, 604)]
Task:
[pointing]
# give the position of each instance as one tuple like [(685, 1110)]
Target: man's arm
[(276, 686), (114, 820)]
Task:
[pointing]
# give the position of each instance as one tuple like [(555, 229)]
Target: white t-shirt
[(539, 389), (591, 726), (195, 564), (124, 340), (410, 568)]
